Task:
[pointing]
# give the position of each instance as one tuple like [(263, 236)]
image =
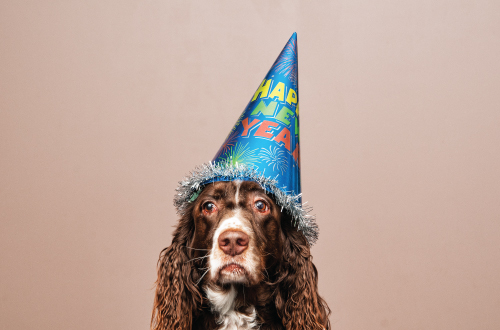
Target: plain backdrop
[(105, 105)]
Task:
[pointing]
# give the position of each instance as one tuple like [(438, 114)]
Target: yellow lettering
[(263, 89), (291, 97), (279, 91)]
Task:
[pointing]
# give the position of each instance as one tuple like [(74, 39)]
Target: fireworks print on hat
[(275, 158), (286, 64)]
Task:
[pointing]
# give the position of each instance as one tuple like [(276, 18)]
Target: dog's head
[(235, 234), (238, 231)]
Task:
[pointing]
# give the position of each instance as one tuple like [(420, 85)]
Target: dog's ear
[(177, 299), (297, 300)]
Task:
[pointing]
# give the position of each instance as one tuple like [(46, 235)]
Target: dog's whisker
[(202, 276), (244, 298), (267, 273), (197, 258), (267, 254), (187, 247)]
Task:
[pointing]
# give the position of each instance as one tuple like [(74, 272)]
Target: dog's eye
[(209, 208), (261, 206)]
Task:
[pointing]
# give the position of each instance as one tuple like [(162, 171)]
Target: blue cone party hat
[(263, 145)]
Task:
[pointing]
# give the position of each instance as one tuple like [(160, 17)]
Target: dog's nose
[(233, 242)]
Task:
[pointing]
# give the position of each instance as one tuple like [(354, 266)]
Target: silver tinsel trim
[(189, 189)]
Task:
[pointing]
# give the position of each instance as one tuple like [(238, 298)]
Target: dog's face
[(235, 252), (237, 232)]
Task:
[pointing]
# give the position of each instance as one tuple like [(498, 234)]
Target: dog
[(237, 262)]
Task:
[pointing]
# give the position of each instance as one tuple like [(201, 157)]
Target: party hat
[(263, 145)]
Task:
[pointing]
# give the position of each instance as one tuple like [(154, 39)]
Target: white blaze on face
[(248, 260), (237, 194)]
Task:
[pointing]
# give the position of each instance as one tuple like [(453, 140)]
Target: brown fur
[(286, 293)]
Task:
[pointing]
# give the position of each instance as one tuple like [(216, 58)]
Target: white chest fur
[(223, 303)]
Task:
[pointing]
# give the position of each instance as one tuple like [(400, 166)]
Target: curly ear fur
[(297, 300), (177, 299)]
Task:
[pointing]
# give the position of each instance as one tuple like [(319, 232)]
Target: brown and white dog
[(236, 262)]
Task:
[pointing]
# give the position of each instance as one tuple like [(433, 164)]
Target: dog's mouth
[(233, 272), (233, 268)]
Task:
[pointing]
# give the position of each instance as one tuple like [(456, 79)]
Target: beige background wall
[(105, 105)]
